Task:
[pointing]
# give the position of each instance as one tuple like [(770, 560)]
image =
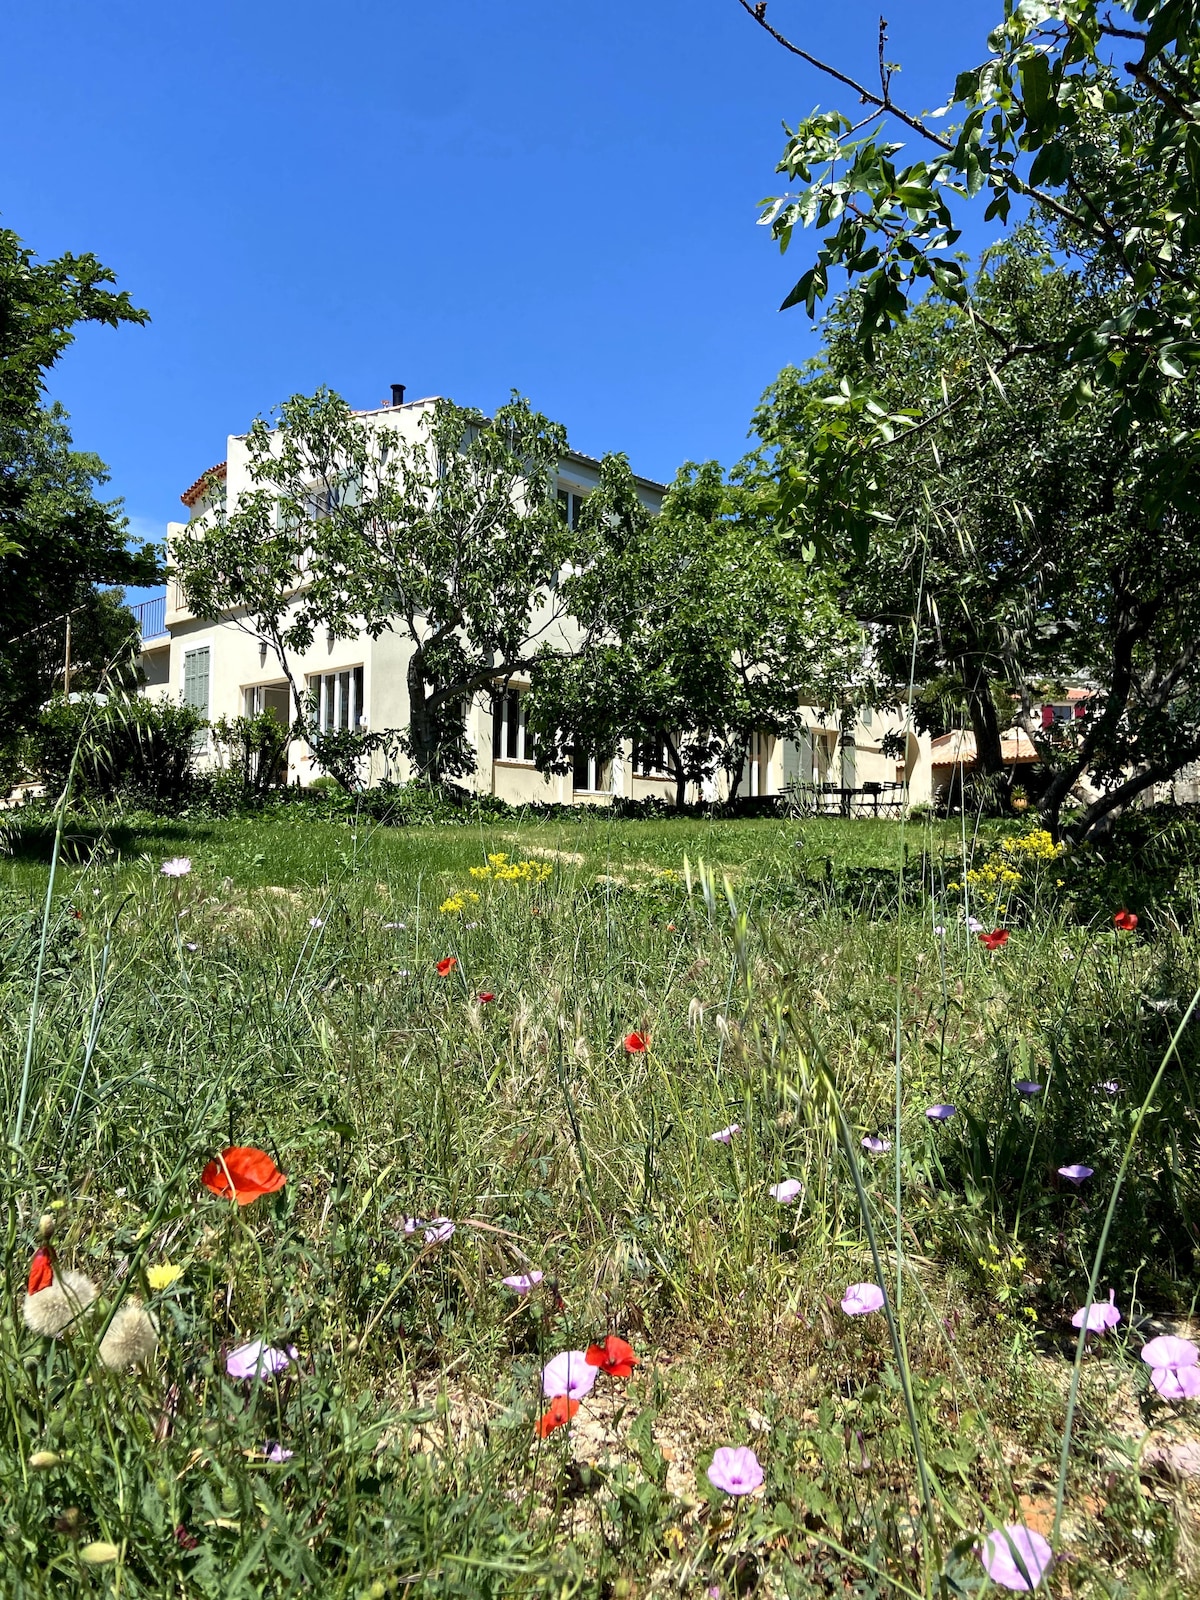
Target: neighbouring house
[(222, 670)]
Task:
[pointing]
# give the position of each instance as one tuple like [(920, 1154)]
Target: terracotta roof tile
[(192, 494)]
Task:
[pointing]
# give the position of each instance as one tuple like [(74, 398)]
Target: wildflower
[(735, 1470), (242, 1173), (439, 1230), (258, 1360), (191, 945), (411, 1224), (568, 1373), (1168, 1351), (862, 1298), (276, 1453), (786, 1192), (52, 1310), (1125, 921), (394, 925), (1109, 1086), (522, 1282), (635, 1043), (877, 1147), (724, 1135), (1098, 1316), (486, 998), (41, 1271), (177, 867), (614, 1356), (184, 1539), (939, 931), (99, 1553), (316, 922), (446, 966), (1177, 1383), (994, 940), (974, 925), (1076, 1173), (941, 1113), (1027, 1086), (1015, 1557), (131, 1339), (562, 1409), (162, 1277)]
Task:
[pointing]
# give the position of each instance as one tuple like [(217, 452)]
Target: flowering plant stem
[(1098, 1261)]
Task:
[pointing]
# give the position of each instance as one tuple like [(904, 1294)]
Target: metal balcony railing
[(151, 617)]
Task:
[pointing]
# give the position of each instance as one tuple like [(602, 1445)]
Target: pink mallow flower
[(522, 1282), (1177, 1383), (724, 1135), (1015, 1557), (439, 1230), (258, 1360), (569, 1374), (1168, 1351), (861, 1298), (1098, 1316), (735, 1470), (787, 1192)]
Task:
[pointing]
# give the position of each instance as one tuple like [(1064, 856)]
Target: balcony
[(152, 619)]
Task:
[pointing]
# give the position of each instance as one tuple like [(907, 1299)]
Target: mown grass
[(387, 1092)]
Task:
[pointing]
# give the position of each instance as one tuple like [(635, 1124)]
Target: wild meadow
[(365, 1140)]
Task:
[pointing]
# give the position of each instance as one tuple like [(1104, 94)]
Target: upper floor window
[(512, 737), (339, 700), (570, 503)]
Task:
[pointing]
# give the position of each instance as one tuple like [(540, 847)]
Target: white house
[(222, 670)]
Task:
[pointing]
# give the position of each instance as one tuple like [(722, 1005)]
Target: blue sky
[(459, 196)]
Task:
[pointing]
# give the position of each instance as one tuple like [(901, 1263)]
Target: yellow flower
[(163, 1276)]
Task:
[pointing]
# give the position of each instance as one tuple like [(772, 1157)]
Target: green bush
[(130, 747)]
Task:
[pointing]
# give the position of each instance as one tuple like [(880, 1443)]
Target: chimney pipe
[(398, 394)]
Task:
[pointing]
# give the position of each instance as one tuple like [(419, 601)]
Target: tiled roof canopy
[(197, 489)]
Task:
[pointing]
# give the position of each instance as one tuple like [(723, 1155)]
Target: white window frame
[(571, 499), (340, 698), (503, 721), (595, 770)]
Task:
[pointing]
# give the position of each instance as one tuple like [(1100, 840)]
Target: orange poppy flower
[(41, 1271), (635, 1042), (486, 998), (561, 1411), (446, 966), (242, 1173), (615, 1356), (994, 941), (1126, 921)]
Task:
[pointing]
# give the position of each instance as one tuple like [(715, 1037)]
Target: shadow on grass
[(29, 841)]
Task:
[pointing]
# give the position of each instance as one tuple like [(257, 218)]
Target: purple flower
[(1098, 1316), (258, 1360), (411, 1224), (877, 1147), (939, 932), (974, 925), (1177, 1383), (568, 1373), (735, 1470), (724, 1135), (316, 922), (522, 1282), (1109, 1086), (1015, 1557), (1167, 1351), (1027, 1086), (188, 945), (861, 1298), (277, 1454), (941, 1113), (177, 867), (439, 1230), (1076, 1173), (399, 925), (786, 1192)]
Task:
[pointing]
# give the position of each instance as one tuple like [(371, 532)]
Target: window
[(590, 774), (512, 738), (195, 689), (758, 764), (339, 700), (650, 757), (570, 503), (273, 697)]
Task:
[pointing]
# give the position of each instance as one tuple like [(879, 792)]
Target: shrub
[(130, 748)]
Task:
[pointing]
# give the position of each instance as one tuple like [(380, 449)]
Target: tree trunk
[(422, 732), (736, 768), (985, 724), (677, 769)]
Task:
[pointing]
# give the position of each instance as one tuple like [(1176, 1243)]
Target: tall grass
[(386, 1092)]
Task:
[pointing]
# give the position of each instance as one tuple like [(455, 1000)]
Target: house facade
[(219, 667)]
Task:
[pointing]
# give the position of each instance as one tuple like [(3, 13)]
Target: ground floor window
[(339, 700), (273, 697), (512, 737), (650, 757), (758, 764), (590, 774)]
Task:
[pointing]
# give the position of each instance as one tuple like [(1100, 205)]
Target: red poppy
[(486, 999), (242, 1173), (1126, 921), (446, 966), (41, 1271), (614, 1356), (995, 940), (561, 1411), (635, 1043)]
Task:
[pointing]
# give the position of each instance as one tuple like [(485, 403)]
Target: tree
[(1023, 536), (454, 541), (58, 539), (1063, 82), (698, 631)]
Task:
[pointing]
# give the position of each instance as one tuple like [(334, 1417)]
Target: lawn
[(540, 1054)]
